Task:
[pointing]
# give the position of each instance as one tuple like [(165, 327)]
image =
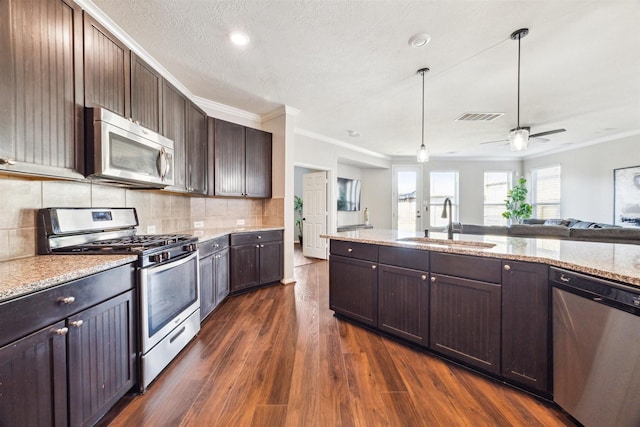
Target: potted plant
[(297, 207), (517, 209)]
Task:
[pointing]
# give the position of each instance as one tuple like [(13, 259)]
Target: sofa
[(568, 229)]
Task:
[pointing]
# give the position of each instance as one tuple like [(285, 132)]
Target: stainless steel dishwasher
[(596, 349)]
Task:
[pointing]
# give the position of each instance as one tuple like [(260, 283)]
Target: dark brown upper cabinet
[(146, 94), (174, 127), (41, 88), (196, 165), (241, 159), (107, 69)]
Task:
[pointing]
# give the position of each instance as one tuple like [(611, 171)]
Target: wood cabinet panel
[(174, 127), (404, 257), (33, 380), (526, 324), (354, 250), (258, 147), (403, 303), (245, 267), (214, 279), (465, 321), (229, 159), (255, 259), (102, 358), (146, 94), (271, 260), (41, 90), (353, 289), (107, 69), (196, 165), (467, 266), (221, 275)]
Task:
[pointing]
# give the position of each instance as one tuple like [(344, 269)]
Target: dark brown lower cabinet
[(33, 379), (214, 274), (525, 324), (255, 259), (403, 303), (353, 289), (465, 321)]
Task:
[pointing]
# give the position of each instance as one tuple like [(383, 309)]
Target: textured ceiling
[(346, 64)]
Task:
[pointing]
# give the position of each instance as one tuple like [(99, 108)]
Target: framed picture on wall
[(626, 196)]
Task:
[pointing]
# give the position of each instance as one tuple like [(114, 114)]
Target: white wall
[(376, 196), (587, 176)]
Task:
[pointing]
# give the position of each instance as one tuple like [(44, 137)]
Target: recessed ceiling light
[(239, 38), (419, 40), (354, 133)]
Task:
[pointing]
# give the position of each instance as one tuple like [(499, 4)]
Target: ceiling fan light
[(519, 139), (423, 154)]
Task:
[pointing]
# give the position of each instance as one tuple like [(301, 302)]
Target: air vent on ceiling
[(479, 117)]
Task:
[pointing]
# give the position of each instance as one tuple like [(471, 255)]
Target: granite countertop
[(204, 234), (615, 261), (27, 275)]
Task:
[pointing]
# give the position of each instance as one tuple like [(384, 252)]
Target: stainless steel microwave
[(120, 151)]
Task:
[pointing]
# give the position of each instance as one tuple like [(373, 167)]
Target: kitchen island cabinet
[(68, 353)]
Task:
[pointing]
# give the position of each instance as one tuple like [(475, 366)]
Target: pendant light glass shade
[(423, 153), (519, 139)]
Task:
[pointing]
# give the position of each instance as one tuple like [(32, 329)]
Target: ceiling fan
[(520, 135)]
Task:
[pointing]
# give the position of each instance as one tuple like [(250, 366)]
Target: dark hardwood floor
[(278, 357)]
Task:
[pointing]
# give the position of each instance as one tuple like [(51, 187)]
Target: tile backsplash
[(166, 212)]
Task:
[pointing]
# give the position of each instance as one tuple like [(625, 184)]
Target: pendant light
[(423, 153), (519, 137)]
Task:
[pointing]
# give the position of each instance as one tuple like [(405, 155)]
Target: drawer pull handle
[(373, 267), (61, 331), (433, 279), (507, 267), (67, 300), (76, 323), (564, 278), (423, 277), (349, 250)]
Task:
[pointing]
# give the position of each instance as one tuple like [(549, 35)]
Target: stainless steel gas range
[(168, 274)]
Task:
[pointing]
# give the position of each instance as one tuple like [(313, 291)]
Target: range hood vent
[(479, 117)]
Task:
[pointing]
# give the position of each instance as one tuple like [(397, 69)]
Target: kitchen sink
[(449, 244)]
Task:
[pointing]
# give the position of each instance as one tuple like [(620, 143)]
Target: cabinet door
[(146, 94), (102, 357), (196, 150), (258, 163), (353, 289), (207, 286), (221, 275), (41, 88), (229, 159), (107, 67), (525, 324), (465, 321), (403, 303), (245, 272), (33, 380), (271, 255), (174, 125)]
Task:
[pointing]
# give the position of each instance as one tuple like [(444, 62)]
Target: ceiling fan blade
[(494, 142), (549, 132), (538, 140)]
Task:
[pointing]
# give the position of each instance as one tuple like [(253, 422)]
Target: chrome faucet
[(444, 215)]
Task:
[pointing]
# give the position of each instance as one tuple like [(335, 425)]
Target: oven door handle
[(175, 262)]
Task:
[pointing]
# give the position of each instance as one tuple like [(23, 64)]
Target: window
[(496, 186), (442, 185), (545, 192)]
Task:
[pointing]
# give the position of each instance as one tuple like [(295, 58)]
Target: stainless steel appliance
[(121, 151), (168, 285), (596, 349)]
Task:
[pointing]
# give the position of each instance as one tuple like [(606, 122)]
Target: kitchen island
[(481, 301)]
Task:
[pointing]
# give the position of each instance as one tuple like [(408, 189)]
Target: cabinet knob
[(76, 323), (374, 267), (507, 267), (262, 246), (61, 331), (423, 277), (433, 279), (7, 162), (259, 237), (216, 245), (257, 246), (349, 250), (67, 300)]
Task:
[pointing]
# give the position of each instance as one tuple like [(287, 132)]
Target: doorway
[(407, 198), (311, 186)]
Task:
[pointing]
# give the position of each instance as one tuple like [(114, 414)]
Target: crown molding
[(280, 111), (339, 143), (207, 104)]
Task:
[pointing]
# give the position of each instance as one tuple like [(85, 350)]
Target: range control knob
[(156, 257)]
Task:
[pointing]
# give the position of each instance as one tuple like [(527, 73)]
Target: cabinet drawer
[(24, 315), (214, 245), (468, 267), (404, 257), (255, 237), (354, 250)]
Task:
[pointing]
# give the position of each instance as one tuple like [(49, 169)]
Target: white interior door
[(314, 214), (407, 197)]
